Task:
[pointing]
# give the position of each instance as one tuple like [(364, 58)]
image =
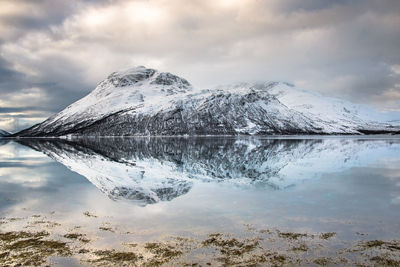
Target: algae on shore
[(251, 248), (29, 248)]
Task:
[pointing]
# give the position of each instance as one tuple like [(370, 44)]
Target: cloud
[(346, 49), (16, 109)]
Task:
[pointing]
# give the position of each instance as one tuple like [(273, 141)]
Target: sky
[(53, 52)]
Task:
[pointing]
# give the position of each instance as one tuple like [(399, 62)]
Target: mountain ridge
[(143, 101), (4, 133)]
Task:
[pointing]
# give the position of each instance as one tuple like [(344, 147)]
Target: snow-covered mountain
[(142, 101), (149, 170), (4, 133)]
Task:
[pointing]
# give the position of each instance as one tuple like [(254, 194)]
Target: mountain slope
[(4, 133), (142, 101)]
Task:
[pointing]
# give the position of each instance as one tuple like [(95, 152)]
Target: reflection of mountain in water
[(4, 141), (149, 170)]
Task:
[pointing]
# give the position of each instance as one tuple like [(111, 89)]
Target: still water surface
[(146, 189)]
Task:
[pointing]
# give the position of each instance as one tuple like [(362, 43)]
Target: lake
[(200, 201)]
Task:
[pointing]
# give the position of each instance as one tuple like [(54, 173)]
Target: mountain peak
[(130, 76), (166, 78), (141, 74)]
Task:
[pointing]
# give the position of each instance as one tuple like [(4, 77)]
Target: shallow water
[(116, 190)]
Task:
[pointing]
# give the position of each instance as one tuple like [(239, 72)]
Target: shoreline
[(40, 239)]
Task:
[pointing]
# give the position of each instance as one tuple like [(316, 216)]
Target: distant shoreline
[(311, 136)]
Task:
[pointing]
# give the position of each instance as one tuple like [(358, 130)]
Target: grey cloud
[(10, 79), (35, 15), (16, 109), (340, 48), (60, 94)]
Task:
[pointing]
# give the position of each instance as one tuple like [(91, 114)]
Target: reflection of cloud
[(389, 168), (389, 163), (17, 162)]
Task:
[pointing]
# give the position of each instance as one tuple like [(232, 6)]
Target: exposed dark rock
[(4, 133)]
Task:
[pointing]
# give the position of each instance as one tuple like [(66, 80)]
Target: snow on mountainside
[(4, 133), (142, 101)]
